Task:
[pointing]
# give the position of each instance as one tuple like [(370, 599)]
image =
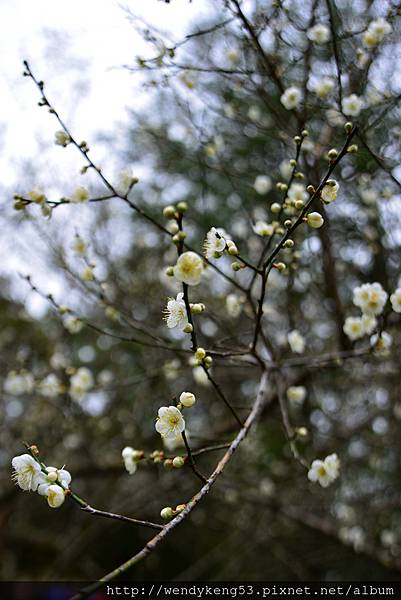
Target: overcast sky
[(78, 47)]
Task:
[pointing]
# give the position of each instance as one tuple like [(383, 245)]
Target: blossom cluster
[(50, 482)]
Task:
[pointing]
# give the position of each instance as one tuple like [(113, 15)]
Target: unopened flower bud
[(180, 507), (168, 464), (288, 244), (275, 207), (332, 154), (197, 309), (287, 223), (169, 212), (314, 220), (208, 361), (170, 271), (178, 462), (348, 127), (182, 207), (188, 328), (167, 513), (280, 266), (299, 204), (232, 249)]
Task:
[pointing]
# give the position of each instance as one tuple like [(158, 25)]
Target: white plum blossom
[(297, 191), (189, 268), (187, 399), (61, 138), (351, 105), (50, 386), (382, 343), (319, 33), (54, 475), (73, 324), (323, 87), (296, 394), (214, 244), (325, 471), (176, 313), (80, 195), (286, 169), (369, 324), (395, 300), (20, 383), (329, 191), (170, 422), (262, 184), (27, 472), (353, 328), (87, 274), (370, 298), (81, 382), (377, 30), (234, 304), (314, 220), (296, 341), (55, 495), (78, 246), (263, 229), (172, 444), (130, 460), (200, 376), (291, 98)]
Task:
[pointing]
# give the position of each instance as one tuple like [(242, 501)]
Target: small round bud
[(169, 212), (348, 127), (188, 328), (168, 464), (181, 235), (178, 462), (297, 139), (301, 432), (232, 249), (197, 309), (167, 513), (332, 154), (314, 220), (208, 361), (352, 149), (305, 133), (288, 244), (293, 162), (287, 223), (299, 204), (182, 207), (138, 454), (180, 507), (187, 399), (176, 238), (200, 354), (52, 476), (275, 207), (279, 230), (174, 227), (310, 189), (236, 266), (280, 266), (170, 271), (299, 175)]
